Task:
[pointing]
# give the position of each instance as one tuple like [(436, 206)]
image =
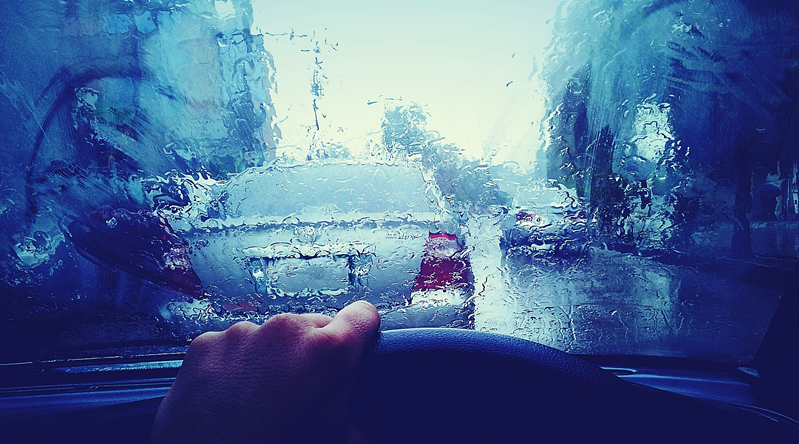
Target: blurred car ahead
[(313, 237), (557, 227)]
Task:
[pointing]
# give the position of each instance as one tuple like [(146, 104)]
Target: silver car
[(316, 236)]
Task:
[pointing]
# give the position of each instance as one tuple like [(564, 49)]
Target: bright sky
[(472, 65)]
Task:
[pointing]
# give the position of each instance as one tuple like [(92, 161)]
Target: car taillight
[(445, 264)]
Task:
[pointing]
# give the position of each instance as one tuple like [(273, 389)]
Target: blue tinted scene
[(604, 177)]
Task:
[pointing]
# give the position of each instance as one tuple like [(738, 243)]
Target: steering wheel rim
[(435, 344), (453, 385)]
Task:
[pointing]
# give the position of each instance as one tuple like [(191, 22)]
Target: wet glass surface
[(603, 177)]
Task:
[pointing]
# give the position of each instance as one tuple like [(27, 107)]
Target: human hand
[(287, 380)]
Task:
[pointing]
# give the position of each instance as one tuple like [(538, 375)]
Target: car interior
[(577, 219)]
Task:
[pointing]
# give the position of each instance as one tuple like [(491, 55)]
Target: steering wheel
[(465, 386)]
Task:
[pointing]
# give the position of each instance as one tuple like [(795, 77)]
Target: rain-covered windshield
[(600, 176)]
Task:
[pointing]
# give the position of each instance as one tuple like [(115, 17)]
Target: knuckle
[(240, 330), (285, 326), (205, 339), (284, 320), (202, 345)]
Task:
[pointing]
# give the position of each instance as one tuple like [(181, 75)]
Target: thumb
[(356, 323)]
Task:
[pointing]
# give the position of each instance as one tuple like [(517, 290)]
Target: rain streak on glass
[(602, 177)]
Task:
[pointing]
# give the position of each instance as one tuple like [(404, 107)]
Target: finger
[(318, 320), (358, 321)]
